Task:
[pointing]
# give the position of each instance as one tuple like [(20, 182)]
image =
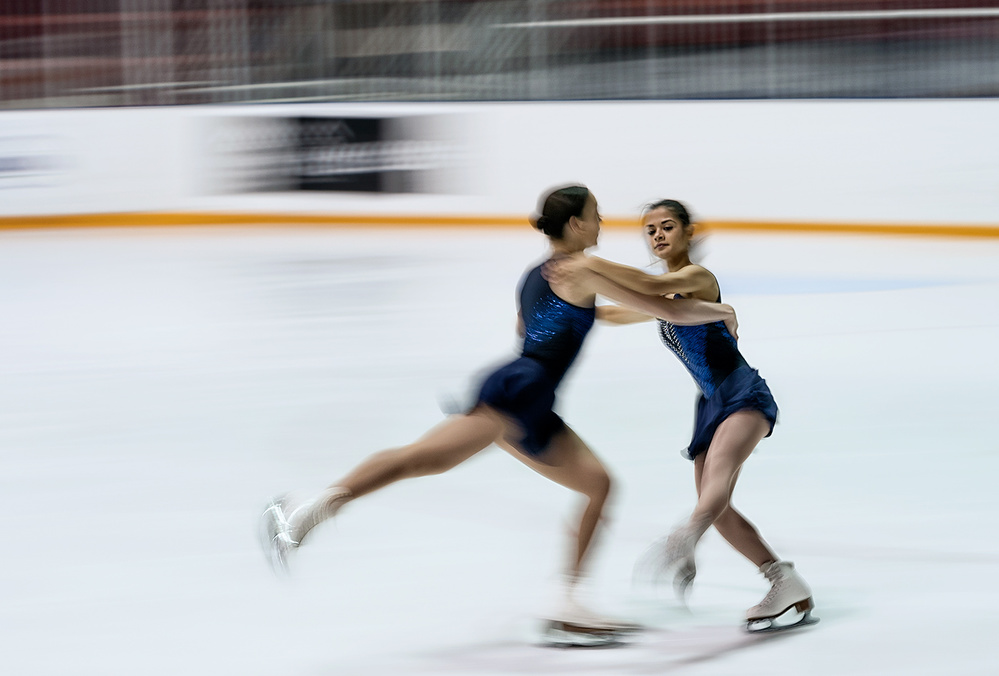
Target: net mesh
[(66, 53)]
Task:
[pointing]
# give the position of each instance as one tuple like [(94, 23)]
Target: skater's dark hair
[(557, 207), (676, 208)]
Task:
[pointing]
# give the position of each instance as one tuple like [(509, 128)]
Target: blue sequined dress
[(524, 389), (727, 382)]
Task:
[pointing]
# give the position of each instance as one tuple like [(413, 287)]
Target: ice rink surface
[(158, 386)]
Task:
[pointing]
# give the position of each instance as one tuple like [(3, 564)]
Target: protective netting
[(165, 52)]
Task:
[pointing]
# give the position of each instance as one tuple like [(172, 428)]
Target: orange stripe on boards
[(191, 218), (161, 219), (920, 229)]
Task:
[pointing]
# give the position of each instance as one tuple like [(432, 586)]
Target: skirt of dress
[(742, 390), (523, 391)]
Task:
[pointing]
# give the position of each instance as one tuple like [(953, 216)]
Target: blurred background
[(157, 384), (72, 53)]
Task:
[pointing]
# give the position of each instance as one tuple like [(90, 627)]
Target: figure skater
[(735, 410), (514, 410)]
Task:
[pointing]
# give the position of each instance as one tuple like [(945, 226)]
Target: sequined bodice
[(554, 330), (708, 351)]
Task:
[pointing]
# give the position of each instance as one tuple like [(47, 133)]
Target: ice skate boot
[(275, 535), (679, 562), (303, 518), (787, 590), (283, 527), (575, 625)]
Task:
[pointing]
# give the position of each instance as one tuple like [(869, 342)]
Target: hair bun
[(541, 223)]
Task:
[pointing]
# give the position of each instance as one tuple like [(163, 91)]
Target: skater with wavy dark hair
[(735, 410), (514, 409)]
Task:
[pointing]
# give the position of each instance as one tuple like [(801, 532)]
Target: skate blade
[(618, 628), (559, 634), (769, 625), (270, 529)]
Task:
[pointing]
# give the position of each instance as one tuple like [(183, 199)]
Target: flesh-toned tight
[(567, 461), (715, 474)]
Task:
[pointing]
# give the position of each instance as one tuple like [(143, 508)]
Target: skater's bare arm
[(692, 279), (615, 314), (680, 311)]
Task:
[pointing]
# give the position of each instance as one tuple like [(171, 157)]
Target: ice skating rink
[(157, 386)]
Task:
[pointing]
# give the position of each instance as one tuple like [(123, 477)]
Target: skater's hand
[(732, 323), (567, 271)]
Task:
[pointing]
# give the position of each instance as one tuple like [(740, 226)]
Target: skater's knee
[(711, 512), (598, 484)]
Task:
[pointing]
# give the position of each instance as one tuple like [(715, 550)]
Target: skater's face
[(587, 224), (665, 233)]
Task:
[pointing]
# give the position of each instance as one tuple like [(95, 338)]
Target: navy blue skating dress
[(524, 389), (728, 384)]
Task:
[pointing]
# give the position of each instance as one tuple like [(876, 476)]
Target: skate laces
[(776, 572), (777, 579), (772, 593)]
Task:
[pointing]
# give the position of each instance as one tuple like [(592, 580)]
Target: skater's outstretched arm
[(692, 279), (615, 314), (680, 311)]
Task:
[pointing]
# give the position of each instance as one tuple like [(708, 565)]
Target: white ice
[(157, 386)]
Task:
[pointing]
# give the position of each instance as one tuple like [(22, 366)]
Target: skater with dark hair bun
[(514, 409), (734, 412)]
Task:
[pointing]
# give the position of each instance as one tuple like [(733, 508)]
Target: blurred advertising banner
[(30, 160), (399, 154)]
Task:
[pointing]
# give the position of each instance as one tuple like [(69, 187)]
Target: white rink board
[(158, 386), (801, 161)]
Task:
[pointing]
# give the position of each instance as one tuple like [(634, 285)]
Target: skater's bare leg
[(448, 444), (445, 446), (569, 462), (715, 475), (716, 471), (744, 538), (734, 527)]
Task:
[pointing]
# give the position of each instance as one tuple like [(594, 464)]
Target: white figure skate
[(787, 590), (680, 547), (283, 526), (573, 625)]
